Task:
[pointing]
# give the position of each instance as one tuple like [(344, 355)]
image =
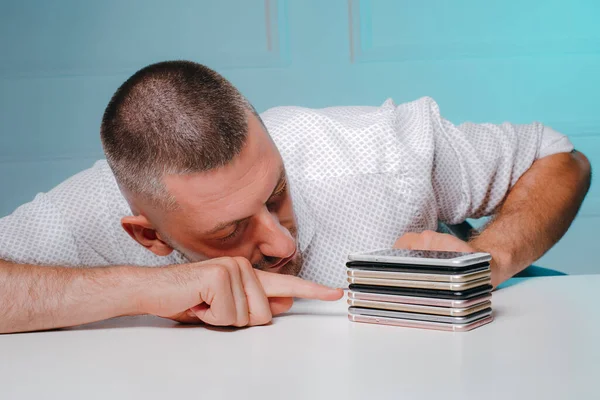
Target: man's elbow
[(583, 169), (573, 170)]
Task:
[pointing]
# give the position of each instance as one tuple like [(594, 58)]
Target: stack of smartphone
[(440, 290)]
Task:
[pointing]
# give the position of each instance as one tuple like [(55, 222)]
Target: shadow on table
[(532, 271), (146, 321), (313, 314)]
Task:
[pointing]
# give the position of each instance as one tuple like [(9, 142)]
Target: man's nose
[(274, 239)]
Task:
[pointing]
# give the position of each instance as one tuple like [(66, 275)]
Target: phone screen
[(432, 254)]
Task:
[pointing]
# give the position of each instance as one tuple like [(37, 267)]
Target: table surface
[(543, 344)]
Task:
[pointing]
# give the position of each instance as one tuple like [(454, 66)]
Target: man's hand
[(227, 292), (430, 240)]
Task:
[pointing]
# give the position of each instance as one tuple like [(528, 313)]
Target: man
[(227, 207)]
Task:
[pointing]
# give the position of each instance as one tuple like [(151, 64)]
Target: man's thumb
[(279, 305)]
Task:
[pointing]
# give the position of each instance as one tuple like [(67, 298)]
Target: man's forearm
[(536, 213), (37, 297)]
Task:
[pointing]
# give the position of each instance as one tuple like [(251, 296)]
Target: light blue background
[(60, 61)]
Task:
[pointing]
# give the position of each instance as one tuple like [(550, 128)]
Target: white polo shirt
[(360, 177)]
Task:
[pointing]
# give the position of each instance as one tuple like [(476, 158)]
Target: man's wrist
[(503, 262), (132, 291), (149, 286)]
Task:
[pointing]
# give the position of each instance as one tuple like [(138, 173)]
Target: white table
[(544, 344)]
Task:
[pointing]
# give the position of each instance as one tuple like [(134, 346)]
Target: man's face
[(242, 209)]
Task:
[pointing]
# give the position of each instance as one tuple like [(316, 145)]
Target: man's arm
[(38, 297), (537, 212), (526, 175), (224, 291)]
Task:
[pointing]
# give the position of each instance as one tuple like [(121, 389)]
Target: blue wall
[(492, 61)]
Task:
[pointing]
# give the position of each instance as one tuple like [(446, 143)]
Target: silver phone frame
[(463, 261), (424, 301), (419, 308), (417, 276), (400, 283), (418, 316)]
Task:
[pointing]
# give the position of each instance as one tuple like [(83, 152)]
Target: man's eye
[(277, 197), (231, 235), (274, 203)]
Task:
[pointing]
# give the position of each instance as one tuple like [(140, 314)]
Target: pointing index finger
[(277, 285)]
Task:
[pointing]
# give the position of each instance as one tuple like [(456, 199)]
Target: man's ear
[(142, 231)]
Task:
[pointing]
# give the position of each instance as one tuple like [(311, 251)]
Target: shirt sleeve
[(554, 142), (37, 233), (475, 165)]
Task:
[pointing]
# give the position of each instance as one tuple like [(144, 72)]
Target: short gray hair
[(173, 117)]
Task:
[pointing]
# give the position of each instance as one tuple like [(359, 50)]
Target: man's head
[(198, 168)]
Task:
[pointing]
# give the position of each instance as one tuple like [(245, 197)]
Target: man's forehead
[(232, 220), (210, 199)]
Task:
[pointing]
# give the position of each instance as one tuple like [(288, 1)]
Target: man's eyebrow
[(224, 225)]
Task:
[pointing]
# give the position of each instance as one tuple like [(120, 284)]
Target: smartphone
[(415, 276), (465, 319), (452, 286), (425, 269), (422, 257), (414, 292), (415, 308), (424, 301), (407, 323)]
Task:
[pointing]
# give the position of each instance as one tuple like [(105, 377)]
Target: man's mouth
[(281, 263)]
